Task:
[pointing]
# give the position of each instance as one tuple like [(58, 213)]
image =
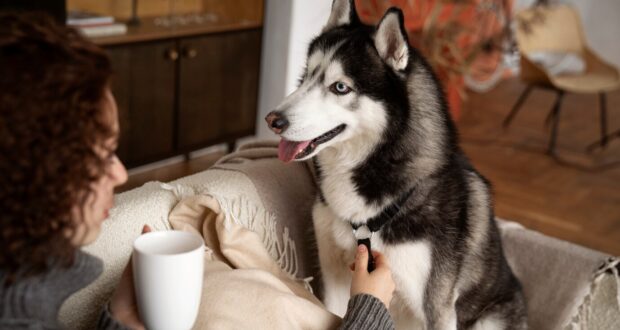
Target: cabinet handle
[(172, 54), (190, 52)]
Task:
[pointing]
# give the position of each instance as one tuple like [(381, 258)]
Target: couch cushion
[(555, 274)]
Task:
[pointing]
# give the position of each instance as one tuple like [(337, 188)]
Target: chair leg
[(603, 108), (550, 117), (517, 106), (556, 119), (602, 142)]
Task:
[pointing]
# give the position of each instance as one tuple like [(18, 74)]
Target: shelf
[(149, 31)]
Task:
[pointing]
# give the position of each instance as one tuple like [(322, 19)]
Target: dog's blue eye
[(339, 88)]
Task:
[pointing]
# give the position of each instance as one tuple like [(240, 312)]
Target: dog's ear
[(343, 13), (391, 40)]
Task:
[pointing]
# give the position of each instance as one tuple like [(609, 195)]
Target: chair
[(558, 29)]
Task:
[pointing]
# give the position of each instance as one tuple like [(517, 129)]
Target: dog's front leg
[(441, 302), (444, 318), (411, 264), (336, 247)]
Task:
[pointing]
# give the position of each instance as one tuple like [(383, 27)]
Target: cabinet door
[(120, 88), (144, 88), (218, 87)]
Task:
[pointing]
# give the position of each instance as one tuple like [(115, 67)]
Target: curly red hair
[(52, 87)]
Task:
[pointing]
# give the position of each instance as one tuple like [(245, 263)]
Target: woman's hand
[(379, 283), (123, 305)]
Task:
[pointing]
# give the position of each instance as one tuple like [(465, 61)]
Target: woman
[(58, 170), (58, 134)]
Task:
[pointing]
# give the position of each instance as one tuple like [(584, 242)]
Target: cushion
[(600, 308), (558, 63), (555, 274)]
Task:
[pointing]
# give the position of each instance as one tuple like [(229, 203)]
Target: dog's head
[(354, 85)]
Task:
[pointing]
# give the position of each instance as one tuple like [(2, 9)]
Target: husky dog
[(372, 116)]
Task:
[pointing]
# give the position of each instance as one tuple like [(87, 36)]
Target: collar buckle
[(362, 232)]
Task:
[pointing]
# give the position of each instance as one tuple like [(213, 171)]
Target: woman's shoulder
[(37, 299)]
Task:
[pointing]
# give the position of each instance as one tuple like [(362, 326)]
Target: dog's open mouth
[(290, 150)]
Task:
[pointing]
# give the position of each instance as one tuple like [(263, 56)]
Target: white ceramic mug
[(168, 273)]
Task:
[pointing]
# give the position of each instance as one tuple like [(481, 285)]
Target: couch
[(557, 276)]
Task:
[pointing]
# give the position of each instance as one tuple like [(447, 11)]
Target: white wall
[(309, 17), (601, 22), (289, 27), (274, 59)]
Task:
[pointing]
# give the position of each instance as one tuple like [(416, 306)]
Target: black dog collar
[(363, 233)]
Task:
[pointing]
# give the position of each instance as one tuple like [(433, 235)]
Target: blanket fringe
[(242, 212), (581, 320), (239, 210)]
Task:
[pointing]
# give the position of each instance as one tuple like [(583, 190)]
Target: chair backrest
[(551, 28)]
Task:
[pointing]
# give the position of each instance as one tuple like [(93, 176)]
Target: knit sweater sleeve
[(366, 312), (107, 322)]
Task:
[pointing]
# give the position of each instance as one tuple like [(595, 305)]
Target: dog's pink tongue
[(287, 150)]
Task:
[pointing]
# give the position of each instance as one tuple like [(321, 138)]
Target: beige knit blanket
[(244, 286)]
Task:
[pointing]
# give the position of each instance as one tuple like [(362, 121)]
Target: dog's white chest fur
[(410, 263), (337, 183)]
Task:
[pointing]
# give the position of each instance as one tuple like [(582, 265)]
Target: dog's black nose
[(276, 122)]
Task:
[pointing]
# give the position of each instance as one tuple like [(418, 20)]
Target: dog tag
[(363, 235)]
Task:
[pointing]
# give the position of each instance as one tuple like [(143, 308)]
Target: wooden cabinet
[(183, 93), (218, 87), (143, 84)]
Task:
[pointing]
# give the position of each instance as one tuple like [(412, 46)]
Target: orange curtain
[(451, 34)]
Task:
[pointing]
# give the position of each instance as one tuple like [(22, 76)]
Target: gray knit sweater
[(366, 312), (33, 303)]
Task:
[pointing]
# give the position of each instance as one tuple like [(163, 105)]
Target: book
[(104, 30), (85, 18)]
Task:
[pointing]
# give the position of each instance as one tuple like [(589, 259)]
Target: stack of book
[(94, 25)]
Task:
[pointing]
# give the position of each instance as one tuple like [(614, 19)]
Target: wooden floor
[(170, 172), (575, 197)]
